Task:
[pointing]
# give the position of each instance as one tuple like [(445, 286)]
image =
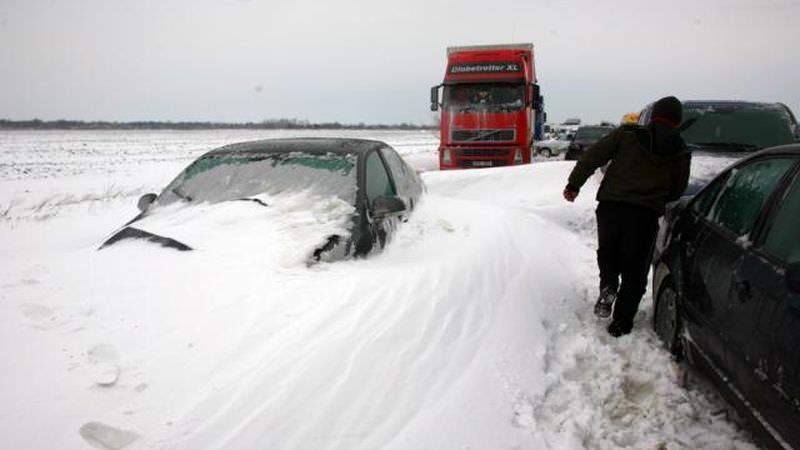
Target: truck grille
[(482, 152), (480, 164), (483, 135)]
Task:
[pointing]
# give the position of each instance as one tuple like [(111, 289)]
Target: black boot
[(605, 302), (617, 329)]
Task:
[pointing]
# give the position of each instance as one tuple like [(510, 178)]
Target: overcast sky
[(374, 62)]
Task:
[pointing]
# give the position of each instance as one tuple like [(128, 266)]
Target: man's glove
[(569, 194)]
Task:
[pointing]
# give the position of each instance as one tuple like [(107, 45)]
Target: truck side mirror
[(435, 98), (536, 97)]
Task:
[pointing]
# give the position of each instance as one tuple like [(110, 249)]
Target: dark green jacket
[(637, 175)]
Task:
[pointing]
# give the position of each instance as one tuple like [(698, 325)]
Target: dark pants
[(626, 234)]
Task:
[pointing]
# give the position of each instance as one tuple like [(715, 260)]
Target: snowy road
[(472, 330)]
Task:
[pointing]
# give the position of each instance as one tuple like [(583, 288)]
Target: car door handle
[(743, 291)]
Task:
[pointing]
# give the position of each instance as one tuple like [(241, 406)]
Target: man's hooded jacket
[(649, 166)]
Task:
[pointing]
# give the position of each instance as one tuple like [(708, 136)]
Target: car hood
[(281, 232), (705, 167)]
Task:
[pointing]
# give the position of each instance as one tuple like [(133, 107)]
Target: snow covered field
[(472, 330)]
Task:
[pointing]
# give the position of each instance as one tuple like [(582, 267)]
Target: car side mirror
[(385, 206), (145, 201), (793, 278)]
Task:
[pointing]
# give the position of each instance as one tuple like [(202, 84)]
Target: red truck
[(489, 106)]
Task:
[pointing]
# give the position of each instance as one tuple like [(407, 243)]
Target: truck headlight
[(518, 156)]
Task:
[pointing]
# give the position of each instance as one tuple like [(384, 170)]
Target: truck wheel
[(666, 321), (545, 152)]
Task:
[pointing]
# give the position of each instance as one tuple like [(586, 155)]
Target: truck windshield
[(737, 128), (484, 97)]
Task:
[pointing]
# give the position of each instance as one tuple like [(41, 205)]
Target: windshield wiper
[(182, 195), (733, 146)]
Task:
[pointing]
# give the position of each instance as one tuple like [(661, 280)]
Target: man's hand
[(569, 195)]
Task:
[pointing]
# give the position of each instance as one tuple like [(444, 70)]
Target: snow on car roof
[(308, 145)]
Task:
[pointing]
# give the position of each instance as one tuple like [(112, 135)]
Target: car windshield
[(221, 177), (591, 133), (736, 128), (485, 97)]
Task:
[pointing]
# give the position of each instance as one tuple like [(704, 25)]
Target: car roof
[(731, 103), (775, 106), (789, 149), (306, 145)]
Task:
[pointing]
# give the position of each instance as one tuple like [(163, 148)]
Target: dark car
[(724, 126), (584, 138), (731, 129), (373, 183), (726, 288)]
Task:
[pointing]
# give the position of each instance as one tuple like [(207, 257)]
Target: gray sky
[(374, 62)]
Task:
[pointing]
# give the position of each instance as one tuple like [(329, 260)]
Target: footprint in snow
[(104, 364), (106, 437), (44, 317)]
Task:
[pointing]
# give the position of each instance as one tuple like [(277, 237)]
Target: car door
[(732, 219), (728, 225), (691, 233), (378, 183), (765, 317)]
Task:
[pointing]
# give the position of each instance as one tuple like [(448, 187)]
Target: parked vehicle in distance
[(550, 147), (726, 288), (366, 185), (491, 106), (585, 137)]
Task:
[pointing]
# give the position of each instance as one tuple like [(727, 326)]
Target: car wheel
[(666, 321), (545, 152)]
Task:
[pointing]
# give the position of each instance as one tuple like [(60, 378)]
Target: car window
[(405, 178), (745, 192), (395, 163), (721, 126), (783, 238), (221, 177), (378, 183), (705, 199)]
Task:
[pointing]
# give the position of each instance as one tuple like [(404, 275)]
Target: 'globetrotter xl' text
[(485, 68)]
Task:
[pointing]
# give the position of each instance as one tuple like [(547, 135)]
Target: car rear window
[(753, 127)]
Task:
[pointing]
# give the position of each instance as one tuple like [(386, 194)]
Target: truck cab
[(489, 102)]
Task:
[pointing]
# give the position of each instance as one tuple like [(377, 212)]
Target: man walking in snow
[(649, 166)]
